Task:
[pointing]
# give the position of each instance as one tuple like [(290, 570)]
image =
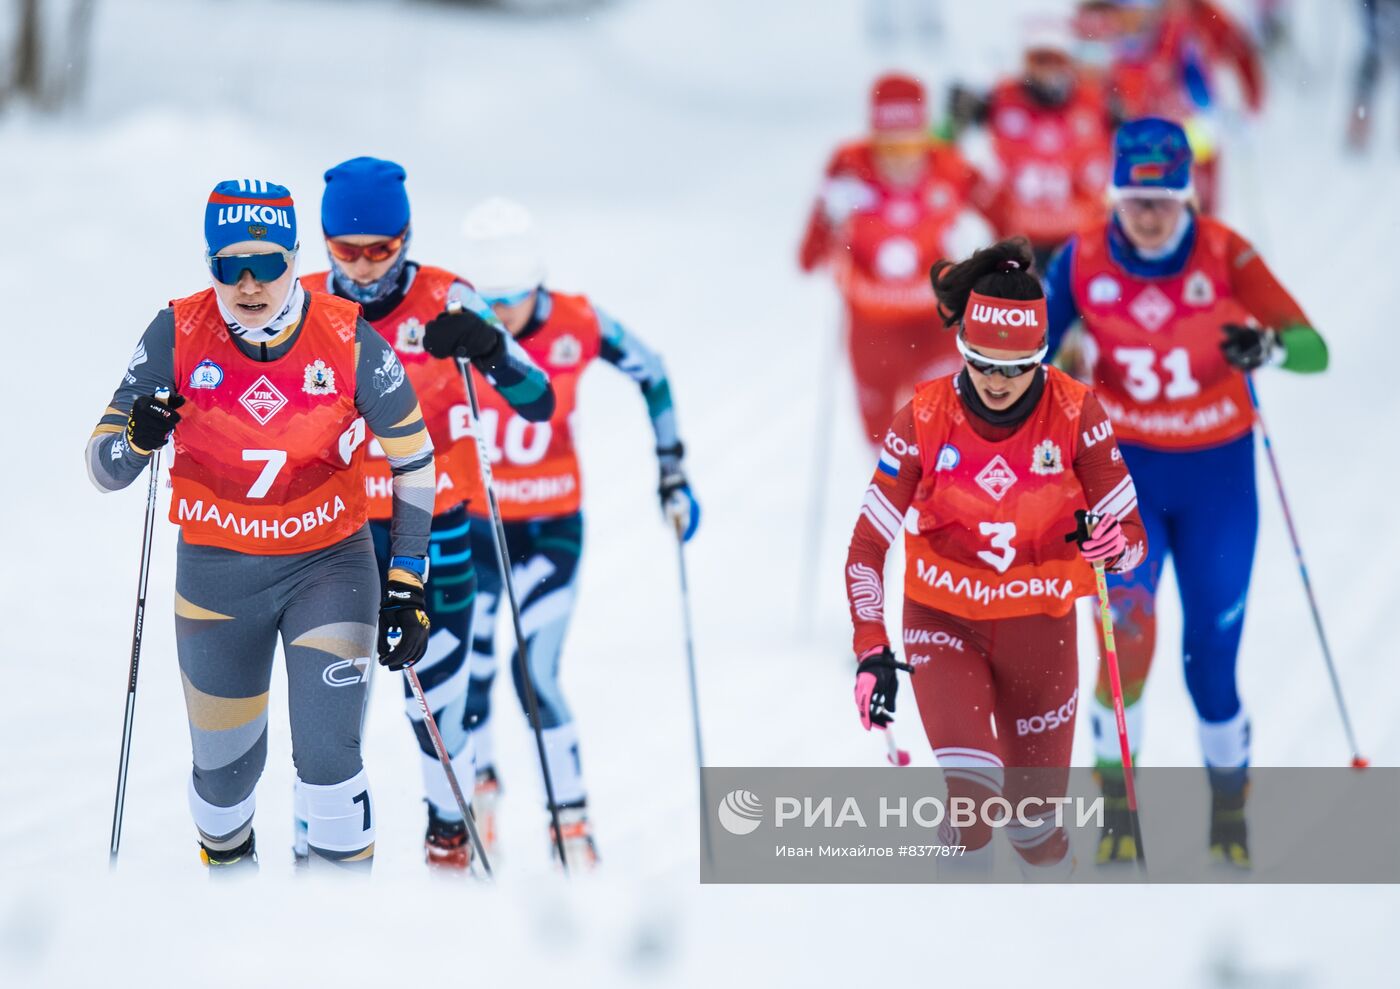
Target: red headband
[(1004, 324), (897, 104)]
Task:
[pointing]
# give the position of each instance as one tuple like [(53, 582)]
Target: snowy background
[(669, 149)]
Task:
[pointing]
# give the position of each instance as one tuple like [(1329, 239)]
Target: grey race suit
[(230, 608)]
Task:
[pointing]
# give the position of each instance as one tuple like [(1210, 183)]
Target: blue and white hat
[(249, 209), (1152, 158)]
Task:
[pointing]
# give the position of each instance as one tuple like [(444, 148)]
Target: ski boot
[(228, 862), (1116, 842), (1229, 834), (485, 798), (577, 837), (446, 846)]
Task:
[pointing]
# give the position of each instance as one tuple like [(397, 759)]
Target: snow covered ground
[(668, 148)]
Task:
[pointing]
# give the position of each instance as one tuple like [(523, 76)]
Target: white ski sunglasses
[(1007, 369)]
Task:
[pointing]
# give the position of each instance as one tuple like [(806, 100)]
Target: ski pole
[(694, 697), (498, 532), (895, 755), (1119, 715), (1358, 761), (138, 627), (430, 723)]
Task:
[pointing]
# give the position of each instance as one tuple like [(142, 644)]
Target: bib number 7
[(1002, 533), (273, 461)]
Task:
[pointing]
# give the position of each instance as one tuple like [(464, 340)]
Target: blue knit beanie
[(1152, 156), (249, 209), (364, 196)]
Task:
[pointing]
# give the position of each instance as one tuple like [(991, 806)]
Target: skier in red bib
[(995, 462), (884, 213), (366, 222), (271, 392)]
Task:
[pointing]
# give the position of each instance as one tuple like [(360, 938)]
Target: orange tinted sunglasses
[(381, 250)]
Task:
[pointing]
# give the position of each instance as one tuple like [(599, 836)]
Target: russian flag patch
[(888, 465)]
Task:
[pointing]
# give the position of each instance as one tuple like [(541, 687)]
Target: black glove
[(965, 107), (875, 697), (462, 333), (150, 421), (1248, 347), (677, 503), (403, 625)]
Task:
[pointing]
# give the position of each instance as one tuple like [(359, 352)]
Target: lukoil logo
[(998, 316), (741, 812)]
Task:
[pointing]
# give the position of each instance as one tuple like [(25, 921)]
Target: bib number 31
[(1142, 381)]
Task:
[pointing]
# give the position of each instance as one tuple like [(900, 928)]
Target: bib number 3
[(1001, 534)]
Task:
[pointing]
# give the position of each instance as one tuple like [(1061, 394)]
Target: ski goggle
[(507, 299), (228, 269), (380, 250), (1007, 369)]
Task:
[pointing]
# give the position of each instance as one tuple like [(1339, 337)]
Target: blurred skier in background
[(1159, 59), (538, 485), (366, 223), (1177, 309), (1051, 131), (1380, 22), (272, 388), (884, 213), (995, 460)]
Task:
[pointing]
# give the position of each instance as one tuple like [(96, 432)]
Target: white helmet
[(1048, 33), (502, 256)]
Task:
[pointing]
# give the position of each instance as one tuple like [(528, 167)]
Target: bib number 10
[(1142, 381), (523, 443)]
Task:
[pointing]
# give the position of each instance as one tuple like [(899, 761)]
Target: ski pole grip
[(1085, 524)]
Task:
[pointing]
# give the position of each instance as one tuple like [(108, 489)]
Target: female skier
[(538, 488), (365, 219), (271, 390), (886, 210), (1177, 309), (996, 461)]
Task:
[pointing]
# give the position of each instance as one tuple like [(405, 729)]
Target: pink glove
[(1107, 543), (865, 689), (1100, 537), (876, 686)]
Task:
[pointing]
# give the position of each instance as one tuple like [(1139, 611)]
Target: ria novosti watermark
[(741, 812), (813, 825)]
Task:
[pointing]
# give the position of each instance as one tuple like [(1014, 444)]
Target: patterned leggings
[(544, 559)]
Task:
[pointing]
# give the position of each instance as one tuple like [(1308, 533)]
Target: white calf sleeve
[(565, 771), (483, 743), (340, 819), (437, 788), (222, 827), (1107, 748), (1225, 744)]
